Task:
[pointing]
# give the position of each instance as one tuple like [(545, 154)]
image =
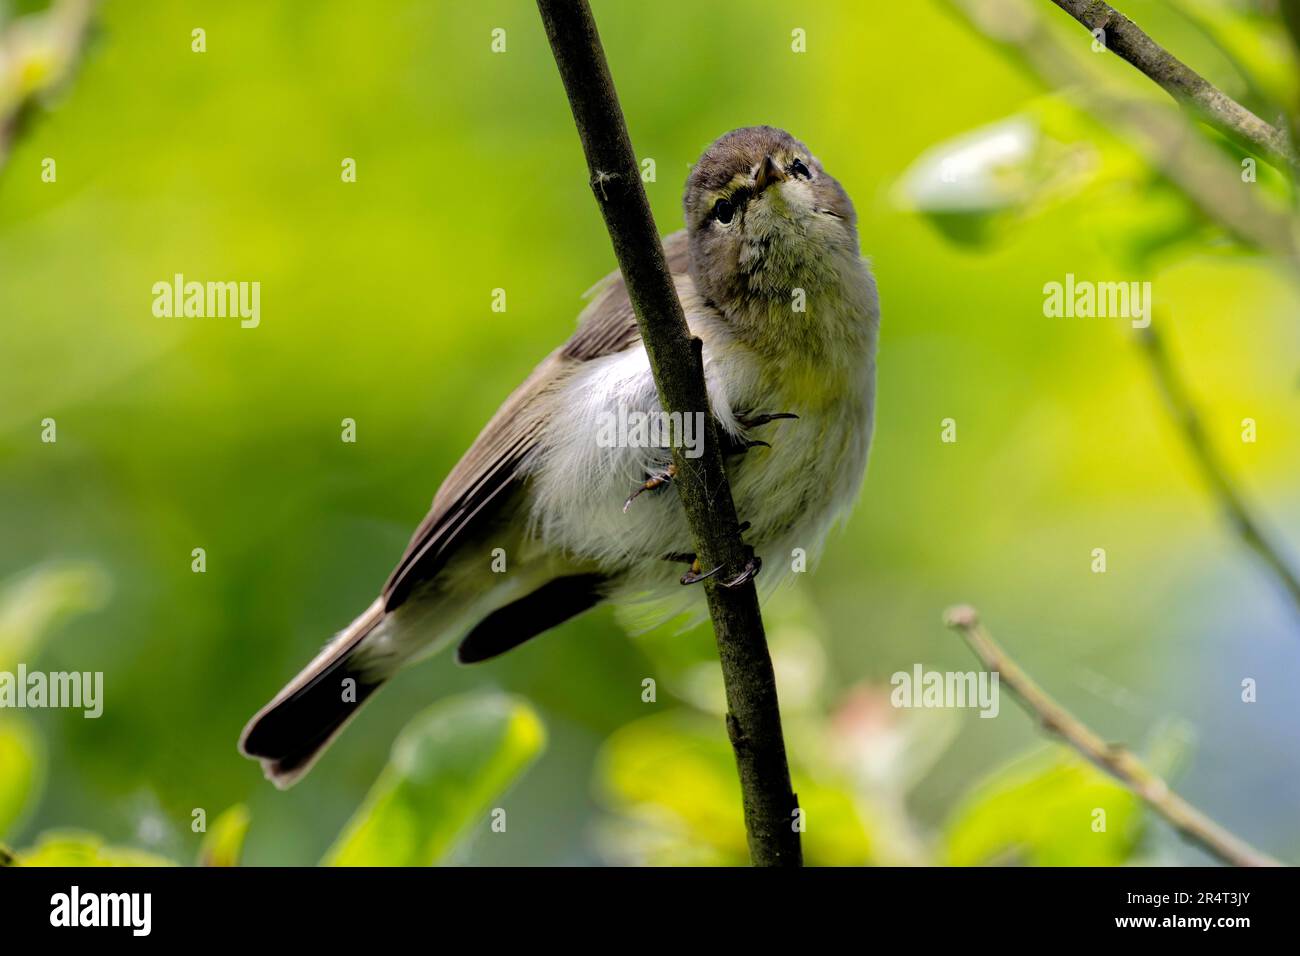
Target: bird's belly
[(789, 494), (791, 491)]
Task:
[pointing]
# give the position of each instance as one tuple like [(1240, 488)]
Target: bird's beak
[(769, 172)]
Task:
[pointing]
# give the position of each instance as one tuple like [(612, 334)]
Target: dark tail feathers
[(289, 733)]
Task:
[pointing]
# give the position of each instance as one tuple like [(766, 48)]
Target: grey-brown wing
[(608, 325), (492, 470)]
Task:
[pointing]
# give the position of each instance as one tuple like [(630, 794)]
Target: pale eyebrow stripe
[(737, 182)]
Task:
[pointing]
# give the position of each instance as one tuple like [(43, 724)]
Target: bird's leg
[(651, 483)]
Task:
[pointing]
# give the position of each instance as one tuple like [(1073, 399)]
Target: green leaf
[(22, 771), (976, 187), (78, 848), (32, 603), (1045, 809), (965, 184), (225, 838), (447, 767)]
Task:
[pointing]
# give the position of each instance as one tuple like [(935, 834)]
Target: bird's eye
[(800, 170), (723, 210)]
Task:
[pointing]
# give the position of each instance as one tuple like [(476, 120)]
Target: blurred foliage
[(1046, 810), (679, 780), (78, 848), (447, 767), (32, 605), (1052, 807), (671, 784), (22, 759), (224, 841), (979, 188), (974, 186), (38, 52)]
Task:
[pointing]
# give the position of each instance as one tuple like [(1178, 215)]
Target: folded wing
[(492, 470)]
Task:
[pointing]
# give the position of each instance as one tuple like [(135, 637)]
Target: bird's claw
[(651, 483), (738, 445), (751, 568), (753, 565), (764, 418), (694, 576)]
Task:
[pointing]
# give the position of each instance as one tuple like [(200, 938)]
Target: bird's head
[(764, 217)]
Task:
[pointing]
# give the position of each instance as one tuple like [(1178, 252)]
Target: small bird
[(771, 280)]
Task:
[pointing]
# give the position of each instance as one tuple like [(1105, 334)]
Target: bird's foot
[(696, 574), (764, 418), (651, 483), (753, 565), (735, 445)]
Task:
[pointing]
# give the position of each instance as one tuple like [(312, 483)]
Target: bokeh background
[(175, 434)]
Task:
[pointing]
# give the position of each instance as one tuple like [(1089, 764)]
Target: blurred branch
[(1290, 10), (1247, 526), (1197, 15), (1126, 40), (753, 718), (1115, 759), (38, 54), (1208, 178)]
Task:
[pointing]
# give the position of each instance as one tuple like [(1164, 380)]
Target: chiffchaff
[(770, 278)]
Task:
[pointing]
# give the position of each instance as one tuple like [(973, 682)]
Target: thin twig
[(1209, 179), (1183, 410), (1215, 188), (754, 718), (1193, 13), (1127, 40), (1115, 759)]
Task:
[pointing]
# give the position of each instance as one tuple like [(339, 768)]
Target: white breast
[(790, 493)]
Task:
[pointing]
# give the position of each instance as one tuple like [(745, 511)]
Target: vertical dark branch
[(753, 719)]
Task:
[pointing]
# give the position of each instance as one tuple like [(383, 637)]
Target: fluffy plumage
[(770, 278)]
